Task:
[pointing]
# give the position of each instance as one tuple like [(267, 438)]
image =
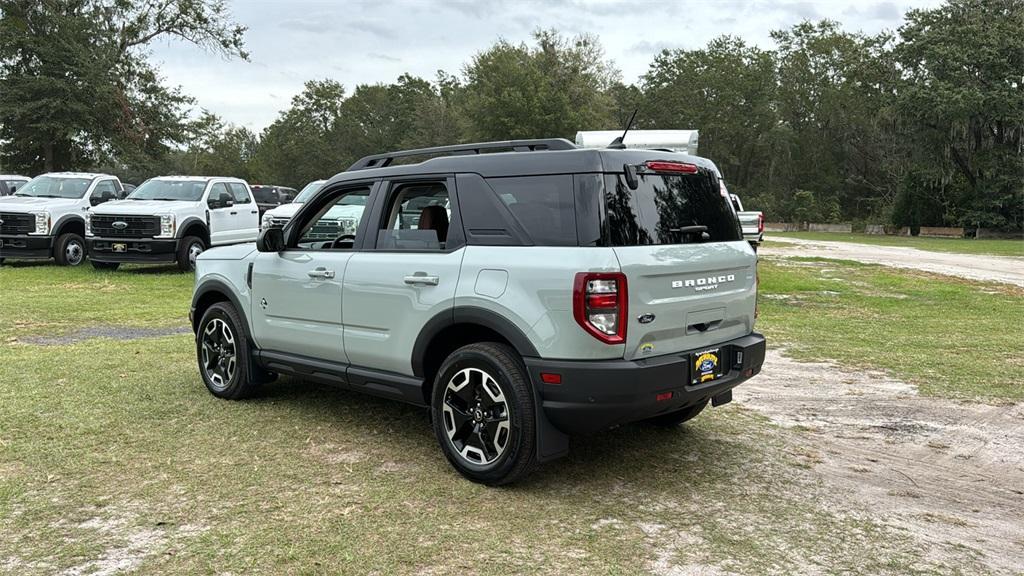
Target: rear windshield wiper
[(701, 231), (688, 229)]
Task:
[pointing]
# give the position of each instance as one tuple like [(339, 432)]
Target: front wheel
[(483, 414), (189, 249), (69, 250), (222, 352)]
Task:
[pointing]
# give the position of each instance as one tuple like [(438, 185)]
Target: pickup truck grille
[(330, 229), (137, 226), (12, 223)]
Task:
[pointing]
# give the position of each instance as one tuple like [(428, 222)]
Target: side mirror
[(223, 201), (270, 240), (105, 196)]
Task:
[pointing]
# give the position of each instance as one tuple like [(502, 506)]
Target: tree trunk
[(48, 157)]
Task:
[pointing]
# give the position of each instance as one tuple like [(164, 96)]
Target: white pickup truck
[(172, 219), (9, 183), (751, 222), (45, 218)]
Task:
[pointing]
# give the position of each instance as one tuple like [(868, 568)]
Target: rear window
[(543, 206), (667, 209)]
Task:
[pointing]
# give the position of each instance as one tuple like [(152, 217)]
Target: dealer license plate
[(707, 366)]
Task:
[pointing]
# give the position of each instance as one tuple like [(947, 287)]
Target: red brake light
[(599, 305), (760, 223), (679, 167)]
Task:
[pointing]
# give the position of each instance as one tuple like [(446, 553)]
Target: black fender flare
[(65, 220), (188, 222), (221, 287), (469, 315)]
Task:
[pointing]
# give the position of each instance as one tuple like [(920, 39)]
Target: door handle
[(233, 212), (421, 278), (322, 273), (254, 212)]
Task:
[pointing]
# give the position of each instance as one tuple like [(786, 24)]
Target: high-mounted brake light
[(678, 167), (599, 305)]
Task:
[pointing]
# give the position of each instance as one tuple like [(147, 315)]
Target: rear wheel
[(483, 414), (69, 250), (222, 352), (189, 249), (105, 265), (678, 417)]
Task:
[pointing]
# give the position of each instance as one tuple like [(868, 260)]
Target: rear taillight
[(760, 223), (678, 167), (599, 305)]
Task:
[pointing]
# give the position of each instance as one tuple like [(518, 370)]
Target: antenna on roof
[(618, 144)]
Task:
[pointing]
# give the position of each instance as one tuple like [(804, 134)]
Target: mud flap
[(552, 443)]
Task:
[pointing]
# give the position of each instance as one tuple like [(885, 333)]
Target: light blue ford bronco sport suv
[(524, 291)]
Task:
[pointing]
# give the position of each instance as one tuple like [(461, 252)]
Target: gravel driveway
[(1004, 269)]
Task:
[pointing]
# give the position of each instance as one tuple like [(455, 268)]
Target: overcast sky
[(291, 41)]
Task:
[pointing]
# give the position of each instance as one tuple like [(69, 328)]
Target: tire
[(222, 352), (678, 417), (484, 386), (69, 250), (185, 258), (105, 265)]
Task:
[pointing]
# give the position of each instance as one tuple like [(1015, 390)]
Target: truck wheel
[(69, 250), (105, 265), (223, 354), (483, 414), (189, 249), (678, 417)]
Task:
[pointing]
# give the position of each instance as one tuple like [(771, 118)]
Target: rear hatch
[(691, 278)]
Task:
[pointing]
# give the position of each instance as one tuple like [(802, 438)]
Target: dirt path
[(1005, 269), (950, 474)]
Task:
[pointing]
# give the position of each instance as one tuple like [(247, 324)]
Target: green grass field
[(953, 338), (958, 245), (115, 459)]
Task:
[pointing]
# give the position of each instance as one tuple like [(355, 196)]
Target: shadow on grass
[(644, 456)]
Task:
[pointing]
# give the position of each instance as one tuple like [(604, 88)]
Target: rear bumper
[(24, 246), (136, 249), (595, 395)]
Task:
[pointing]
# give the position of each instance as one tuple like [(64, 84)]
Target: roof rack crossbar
[(385, 159)]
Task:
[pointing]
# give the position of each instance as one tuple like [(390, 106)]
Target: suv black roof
[(509, 158)]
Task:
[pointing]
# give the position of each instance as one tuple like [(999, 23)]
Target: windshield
[(310, 189), (53, 187), (182, 190)]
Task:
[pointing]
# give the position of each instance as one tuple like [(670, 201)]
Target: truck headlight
[(167, 225), (88, 224), (266, 221), (42, 222)]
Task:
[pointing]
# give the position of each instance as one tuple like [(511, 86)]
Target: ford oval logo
[(120, 225)]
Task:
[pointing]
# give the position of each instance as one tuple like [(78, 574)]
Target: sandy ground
[(976, 267), (950, 474)]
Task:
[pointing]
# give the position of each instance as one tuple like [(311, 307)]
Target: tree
[(727, 91), (554, 89), (300, 145), (964, 69), (77, 87)]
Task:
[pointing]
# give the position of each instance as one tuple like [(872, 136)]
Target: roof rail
[(382, 160)]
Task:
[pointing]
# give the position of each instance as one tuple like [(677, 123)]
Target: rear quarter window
[(667, 209), (542, 205)]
